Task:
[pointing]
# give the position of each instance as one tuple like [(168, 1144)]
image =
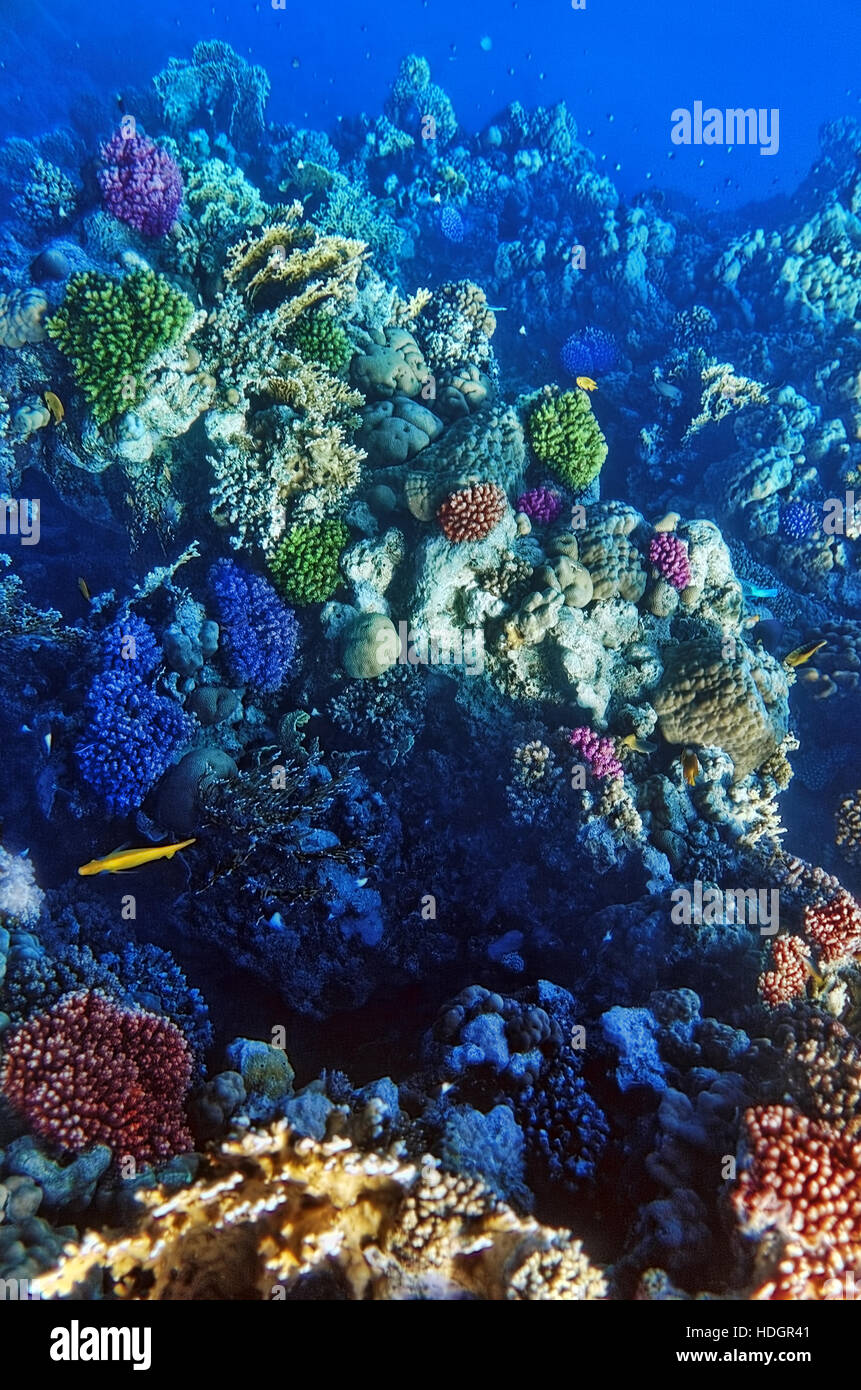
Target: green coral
[(305, 565), (109, 329), (565, 436), (320, 338)]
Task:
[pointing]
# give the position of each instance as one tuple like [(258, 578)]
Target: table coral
[(218, 86), (88, 1072)]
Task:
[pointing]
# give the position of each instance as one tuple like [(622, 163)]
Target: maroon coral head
[(90, 1072), (142, 185)]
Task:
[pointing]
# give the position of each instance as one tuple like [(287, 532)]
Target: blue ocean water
[(430, 645)]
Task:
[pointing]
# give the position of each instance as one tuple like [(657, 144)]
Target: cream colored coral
[(273, 1213)]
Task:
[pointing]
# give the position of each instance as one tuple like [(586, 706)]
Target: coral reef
[(89, 1073)]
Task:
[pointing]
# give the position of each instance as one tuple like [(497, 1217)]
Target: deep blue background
[(634, 61)]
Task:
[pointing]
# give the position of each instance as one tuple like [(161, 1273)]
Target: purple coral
[(669, 555), (598, 753), (540, 504), (142, 185)]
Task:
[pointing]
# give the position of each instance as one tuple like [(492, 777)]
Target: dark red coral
[(91, 1072)]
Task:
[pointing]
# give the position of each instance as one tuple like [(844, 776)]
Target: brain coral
[(738, 704), (21, 315), (89, 1072), (565, 436)]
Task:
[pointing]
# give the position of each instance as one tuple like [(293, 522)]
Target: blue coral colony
[(290, 395)]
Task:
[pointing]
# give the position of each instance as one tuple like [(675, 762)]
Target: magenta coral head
[(540, 504), (669, 555), (598, 753), (142, 185)]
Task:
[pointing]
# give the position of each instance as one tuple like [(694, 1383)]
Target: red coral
[(788, 979), (472, 513), (834, 928), (801, 1181), (90, 1072)]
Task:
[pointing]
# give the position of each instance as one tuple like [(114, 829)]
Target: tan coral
[(274, 1216), (22, 316), (290, 265)]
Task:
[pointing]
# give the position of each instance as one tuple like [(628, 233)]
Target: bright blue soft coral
[(132, 736), (258, 630)]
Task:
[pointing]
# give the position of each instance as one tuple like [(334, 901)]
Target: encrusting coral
[(275, 1216)]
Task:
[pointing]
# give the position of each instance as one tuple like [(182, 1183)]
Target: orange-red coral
[(788, 979), (834, 928), (472, 513), (801, 1183)]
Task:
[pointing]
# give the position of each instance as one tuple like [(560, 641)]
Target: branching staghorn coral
[(289, 264)]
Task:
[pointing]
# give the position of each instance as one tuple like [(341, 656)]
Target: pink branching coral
[(540, 504), (142, 185), (91, 1072), (472, 513), (669, 555), (801, 1178), (598, 753), (835, 928), (788, 979)]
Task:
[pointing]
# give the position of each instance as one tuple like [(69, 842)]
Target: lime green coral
[(305, 565), (320, 338), (565, 436), (110, 329)]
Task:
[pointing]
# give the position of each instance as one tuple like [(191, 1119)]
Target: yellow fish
[(691, 767), (586, 383), (130, 858), (55, 405), (799, 655), (637, 745), (85, 590)]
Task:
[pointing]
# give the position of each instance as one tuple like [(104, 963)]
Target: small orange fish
[(586, 383), (691, 767), (131, 858), (55, 405), (799, 655), (85, 590)]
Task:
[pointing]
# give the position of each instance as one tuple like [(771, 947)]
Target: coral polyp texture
[(258, 630), (472, 513), (430, 668), (305, 565), (141, 184), (669, 555), (565, 436), (110, 329), (89, 1073)]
